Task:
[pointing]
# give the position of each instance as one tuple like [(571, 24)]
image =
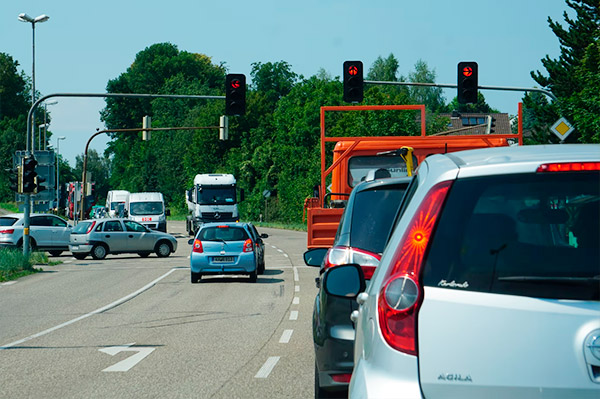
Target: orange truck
[(354, 157)]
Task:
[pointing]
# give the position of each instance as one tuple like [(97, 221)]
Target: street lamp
[(26, 18), (46, 120), (57, 167), (40, 127)]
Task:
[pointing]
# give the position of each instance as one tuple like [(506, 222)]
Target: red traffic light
[(467, 71), (353, 70), (235, 84)]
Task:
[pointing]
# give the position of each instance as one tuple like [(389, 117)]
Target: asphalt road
[(127, 327)]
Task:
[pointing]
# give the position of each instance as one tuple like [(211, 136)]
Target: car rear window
[(227, 233), (81, 228), (7, 221), (532, 235), (372, 217)]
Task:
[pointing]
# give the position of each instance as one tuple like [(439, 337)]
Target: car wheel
[(163, 249), (79, 256), (144, 254), (261, 268), (31, 244), (99, 252), (55, 253), (196, 277), (253, 277), (320, 393)]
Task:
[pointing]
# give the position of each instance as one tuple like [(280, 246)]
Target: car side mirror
[(344, 281), (168, 212), (191, 241), (314, 257), (264, 235)]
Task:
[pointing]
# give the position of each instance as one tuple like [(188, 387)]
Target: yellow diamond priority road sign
[(562, 128)]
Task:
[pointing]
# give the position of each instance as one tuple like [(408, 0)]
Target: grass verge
[(13, 264)]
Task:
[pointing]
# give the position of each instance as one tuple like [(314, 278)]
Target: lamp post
[(40, 127), (26, 18), (57, 168), (46, 120)]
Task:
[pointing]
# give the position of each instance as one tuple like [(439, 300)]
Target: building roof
[(476, 123)]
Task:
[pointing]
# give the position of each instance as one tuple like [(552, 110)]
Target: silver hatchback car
[(489, 285), (47, 232), (100, 237)]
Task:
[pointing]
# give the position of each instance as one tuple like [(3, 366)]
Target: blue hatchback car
[(224, 248)]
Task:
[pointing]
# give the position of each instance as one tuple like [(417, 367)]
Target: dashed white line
[(296, 301), (294, 315), (266, 369), (279, 250), (286, 336), (286, 255), (297, 288), (296, 278)]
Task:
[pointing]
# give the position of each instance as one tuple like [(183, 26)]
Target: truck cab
[(148, 209)]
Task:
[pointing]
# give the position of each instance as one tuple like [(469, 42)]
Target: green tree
[(385, 70), (574, 77), (432, 97)]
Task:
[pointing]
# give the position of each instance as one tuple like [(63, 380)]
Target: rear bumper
[(81, 249), (243, 264)]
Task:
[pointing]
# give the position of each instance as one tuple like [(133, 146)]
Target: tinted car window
[(41, 221), (223, 233), (58, 222), (113, 226), (133, 226), (531, 235), (359, 166), (81, 228), (372, 216), (6, 221)]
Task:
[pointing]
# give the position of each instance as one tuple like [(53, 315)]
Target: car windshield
[(372, 216), (223, 233), (82, 227), (533, 235), (7, 221), (146, 208), (216, 196), (386, 166)]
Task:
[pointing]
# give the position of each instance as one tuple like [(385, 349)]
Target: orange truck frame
[(323, 219)]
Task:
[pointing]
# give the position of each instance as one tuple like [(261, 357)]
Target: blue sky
[(85, 44)]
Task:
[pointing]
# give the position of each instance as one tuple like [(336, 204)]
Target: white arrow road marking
[(131, 361)]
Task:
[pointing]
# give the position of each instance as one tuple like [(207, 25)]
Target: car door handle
[(130, 235), (107, 236)]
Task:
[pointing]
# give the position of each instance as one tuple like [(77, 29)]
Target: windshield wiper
[(551, 280)]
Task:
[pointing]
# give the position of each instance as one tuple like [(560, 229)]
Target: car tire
[(163, 249), (253, 277), (99, 252), (196, 277), (320, 393), (31, 244), (261, 268), (80, 256), (55, 253), (144, 254)]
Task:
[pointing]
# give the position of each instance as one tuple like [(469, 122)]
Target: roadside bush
[(13, 264)]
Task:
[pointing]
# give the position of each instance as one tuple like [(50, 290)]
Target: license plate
[(223, 259), (75, 247), (146, 219)]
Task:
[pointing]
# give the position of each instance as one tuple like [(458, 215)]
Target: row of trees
[(275, 146)]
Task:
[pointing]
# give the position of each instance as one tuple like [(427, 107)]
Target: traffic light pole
[(453, 86), (29, 151)]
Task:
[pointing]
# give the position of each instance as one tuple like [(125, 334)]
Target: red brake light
[(91, 227), (9, 231), (402, 293), (248, 245), (197, 246), (569, 167), (342, 255), (223, 227), (344, 378)]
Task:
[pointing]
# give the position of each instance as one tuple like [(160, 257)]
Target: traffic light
[(16, 179), (467, 82), (235, 94), (29, 174), (38, 184), (353, 81)]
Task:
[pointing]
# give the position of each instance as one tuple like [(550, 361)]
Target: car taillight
[(91, 227), (197, 247), (569, 167), (248, 245), (344, 378), (401, 294), (343, 255), (9, 231)]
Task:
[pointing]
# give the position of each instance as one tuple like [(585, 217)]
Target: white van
[(116, 202), (148, 209)]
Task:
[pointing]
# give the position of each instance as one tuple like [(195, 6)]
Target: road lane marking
[(9, 283), (296, 277), (286, 255), (279, 250), (297, 288), (125, 365), (97, 311), (266, 368), (294, 315), (296, 301), (286, 336)]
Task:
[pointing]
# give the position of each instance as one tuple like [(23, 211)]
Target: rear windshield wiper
[(550, 280)]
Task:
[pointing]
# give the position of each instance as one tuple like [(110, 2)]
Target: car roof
[(380, 183), (20, 215), (215, 224)]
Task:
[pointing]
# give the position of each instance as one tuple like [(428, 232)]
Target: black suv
[(360, 238)]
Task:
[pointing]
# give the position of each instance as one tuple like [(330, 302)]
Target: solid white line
[(266, 369), (296, 278), (296, 301), (297, 288), (99, 310), (9, 283), (286, 336), (294, 315)]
